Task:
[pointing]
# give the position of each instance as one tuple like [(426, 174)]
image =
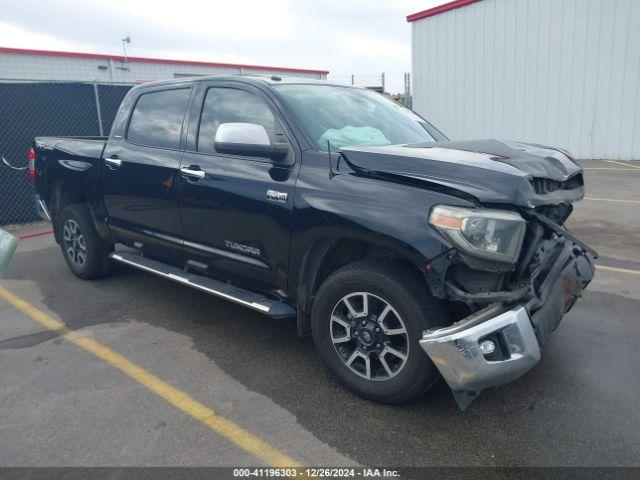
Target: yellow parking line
[(618, 270), (222, 426), (625, 164), (612, 200)]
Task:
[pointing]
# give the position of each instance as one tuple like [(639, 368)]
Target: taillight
[(32, 163)]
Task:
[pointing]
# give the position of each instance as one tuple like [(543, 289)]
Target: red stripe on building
[(440, 9), (119, 58)]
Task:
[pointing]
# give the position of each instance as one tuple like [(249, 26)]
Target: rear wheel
[(85, 252), (367, 319)]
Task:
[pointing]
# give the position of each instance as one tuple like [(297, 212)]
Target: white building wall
[(563, 73), (48, 67)]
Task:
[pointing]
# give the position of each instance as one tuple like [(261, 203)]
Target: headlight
[(492, 234)]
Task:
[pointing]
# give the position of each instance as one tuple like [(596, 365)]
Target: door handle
[(190, 172), (113, 161)]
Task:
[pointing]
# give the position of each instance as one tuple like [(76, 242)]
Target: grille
[(543, 186)]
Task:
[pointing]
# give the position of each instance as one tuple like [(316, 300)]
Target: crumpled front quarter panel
[(351, 206)]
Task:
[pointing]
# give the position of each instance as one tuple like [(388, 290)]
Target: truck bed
[(90, 147), (70, 161)]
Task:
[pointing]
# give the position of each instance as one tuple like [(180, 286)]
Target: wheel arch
[(63, 194), (328, 254)]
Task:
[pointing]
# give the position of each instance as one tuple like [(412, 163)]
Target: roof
[(440, 9), (250, 79), (100, 56), (253, 79)]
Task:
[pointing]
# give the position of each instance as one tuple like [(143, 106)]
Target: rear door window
[(157, 118)]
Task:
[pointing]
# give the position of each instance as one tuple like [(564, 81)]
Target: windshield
[(344, 117)]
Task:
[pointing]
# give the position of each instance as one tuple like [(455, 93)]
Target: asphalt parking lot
[(172, 376)]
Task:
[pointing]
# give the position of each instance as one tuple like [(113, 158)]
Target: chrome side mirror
[(249, 139), (244, 133)]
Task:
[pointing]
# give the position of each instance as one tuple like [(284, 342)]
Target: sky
[(363, 38)]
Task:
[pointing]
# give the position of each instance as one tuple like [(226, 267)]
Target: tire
[(85, 252), (412, 309)]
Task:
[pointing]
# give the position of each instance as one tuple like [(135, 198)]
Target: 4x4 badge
[(274, 196)]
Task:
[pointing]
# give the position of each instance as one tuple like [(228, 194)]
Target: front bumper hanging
[(513, 331), (456, 352)]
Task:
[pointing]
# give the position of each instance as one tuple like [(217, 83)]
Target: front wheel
[(367, 319)]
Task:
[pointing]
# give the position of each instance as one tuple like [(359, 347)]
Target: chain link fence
[(31, 109)]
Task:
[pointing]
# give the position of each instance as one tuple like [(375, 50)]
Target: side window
[(228, 105), (157, 118)]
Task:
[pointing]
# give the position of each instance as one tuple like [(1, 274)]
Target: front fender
[(390, 215)]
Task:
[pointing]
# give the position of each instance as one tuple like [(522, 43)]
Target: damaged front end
[(509, 269), (506, 311)]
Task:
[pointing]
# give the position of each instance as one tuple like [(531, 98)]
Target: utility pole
[(407, 90), (126, 40)]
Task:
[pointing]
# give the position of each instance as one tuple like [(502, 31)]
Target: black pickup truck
[(407, 256)]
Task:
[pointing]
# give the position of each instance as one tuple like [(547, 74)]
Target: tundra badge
[(242, 248), (275, 196)]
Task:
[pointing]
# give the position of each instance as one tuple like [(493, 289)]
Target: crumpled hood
[(493, 171)]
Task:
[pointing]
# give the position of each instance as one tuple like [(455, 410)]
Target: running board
[(220, 289)]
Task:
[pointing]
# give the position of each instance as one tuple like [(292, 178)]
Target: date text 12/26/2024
[(316, 472)]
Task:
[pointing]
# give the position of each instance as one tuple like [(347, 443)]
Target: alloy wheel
[(74, 243), (369, 336)]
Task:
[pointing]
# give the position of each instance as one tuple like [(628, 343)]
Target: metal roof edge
[(120, 58), (440, 9)]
